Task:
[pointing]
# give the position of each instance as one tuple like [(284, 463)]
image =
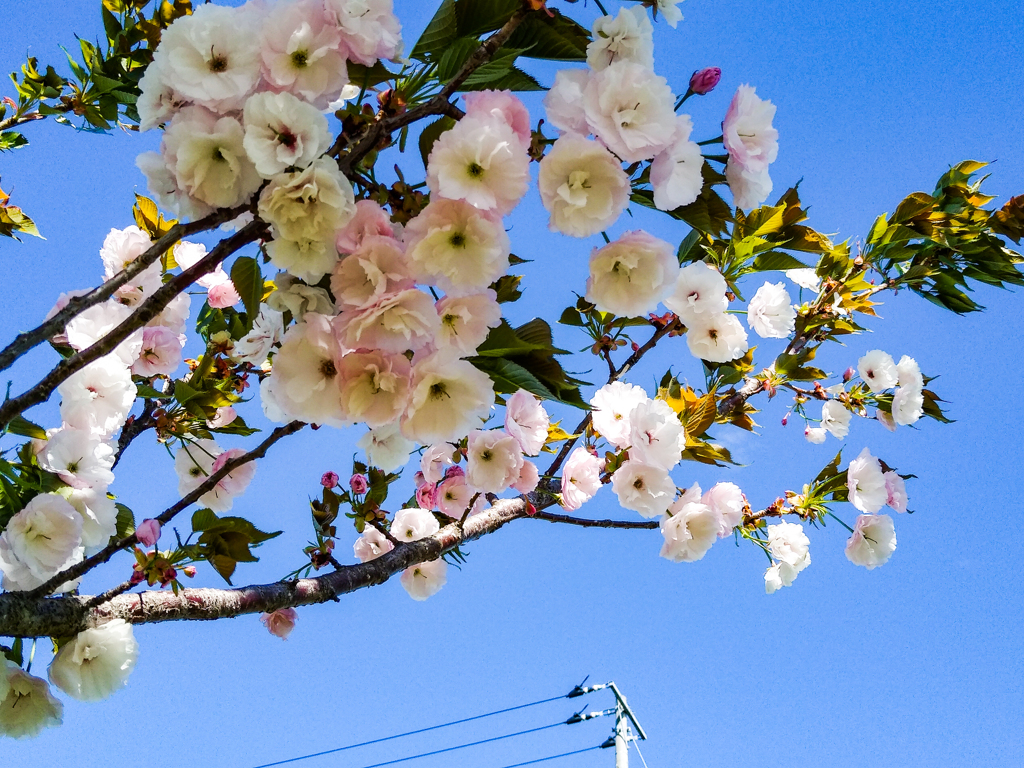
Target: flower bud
[(281, 622), (329, 479), (358, 483), (189, 570), (703, 81), (849, 373), (148, 533), (886, 419)]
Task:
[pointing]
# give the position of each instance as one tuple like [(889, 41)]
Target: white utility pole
[(622, 736)]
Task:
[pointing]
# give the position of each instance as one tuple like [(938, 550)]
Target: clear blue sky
[(917, 663)]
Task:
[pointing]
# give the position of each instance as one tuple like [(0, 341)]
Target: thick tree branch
[(438, 105), (24, 616), (145, 312), (56, 324), (585, 523), (168, 514)]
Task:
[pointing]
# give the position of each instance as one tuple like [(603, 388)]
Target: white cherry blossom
[(581, 478), (866, 483), (97, 662), (689, 531), (582, 186), (631, 274), (771, 314), (386, 447), (612, 405), (527, 421), (643, 488), (873, 541), (628, 36)]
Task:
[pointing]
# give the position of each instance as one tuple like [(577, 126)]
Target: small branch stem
[(145, 312), (56, 324), (80, 569), (584, 523)]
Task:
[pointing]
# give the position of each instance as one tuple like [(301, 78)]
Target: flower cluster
[(241, 93)]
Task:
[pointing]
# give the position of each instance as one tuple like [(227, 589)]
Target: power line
[(421, 730), (553, 757), (463, 746)]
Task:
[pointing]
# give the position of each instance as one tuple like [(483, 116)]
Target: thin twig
[(56, 324), (438, 105), (631, 361), (145, 312), (78, 570), (109, 595), (385, 532), (584, 523)]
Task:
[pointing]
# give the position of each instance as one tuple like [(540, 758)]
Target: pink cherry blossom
[(281, 622), (148, 532)]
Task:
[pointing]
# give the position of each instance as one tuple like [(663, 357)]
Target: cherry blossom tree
[(339, 300)]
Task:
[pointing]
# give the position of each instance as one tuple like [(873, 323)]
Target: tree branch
[(135, 427), (438, 105), (80, 569), (24, 616), (631, 361), (56, 324), (584, 523), (145, 312)]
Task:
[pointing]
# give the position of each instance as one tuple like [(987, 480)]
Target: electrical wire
[(421, 730), (553, 757), (637, 745)]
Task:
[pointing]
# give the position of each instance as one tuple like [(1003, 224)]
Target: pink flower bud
[(137, 576), (703, 81), (329, 479), (148, 533), (190, 571), (849, 373), (454, 471), (785, 420), (419, 479), (358, 484), (426, 496), (281, 622)]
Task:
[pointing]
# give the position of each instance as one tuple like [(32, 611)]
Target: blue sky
[(917, 663)]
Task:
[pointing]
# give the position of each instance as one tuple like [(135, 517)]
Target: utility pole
[(621, 737), (624, 718)]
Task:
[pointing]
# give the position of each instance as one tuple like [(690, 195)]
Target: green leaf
[(125, 524), (475, 17), (440, 32), (494, 70), (503, 341), (183, 392), (554, 37), (10, 140), (513, 80), (455, 55), (19, 425), (776, 261), (432, 133), (248, 281), (147, 392), (506, 288), (367, 77), (509, 377), (687, 245)]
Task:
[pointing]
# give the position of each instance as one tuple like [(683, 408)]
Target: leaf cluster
[(934, 243)]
